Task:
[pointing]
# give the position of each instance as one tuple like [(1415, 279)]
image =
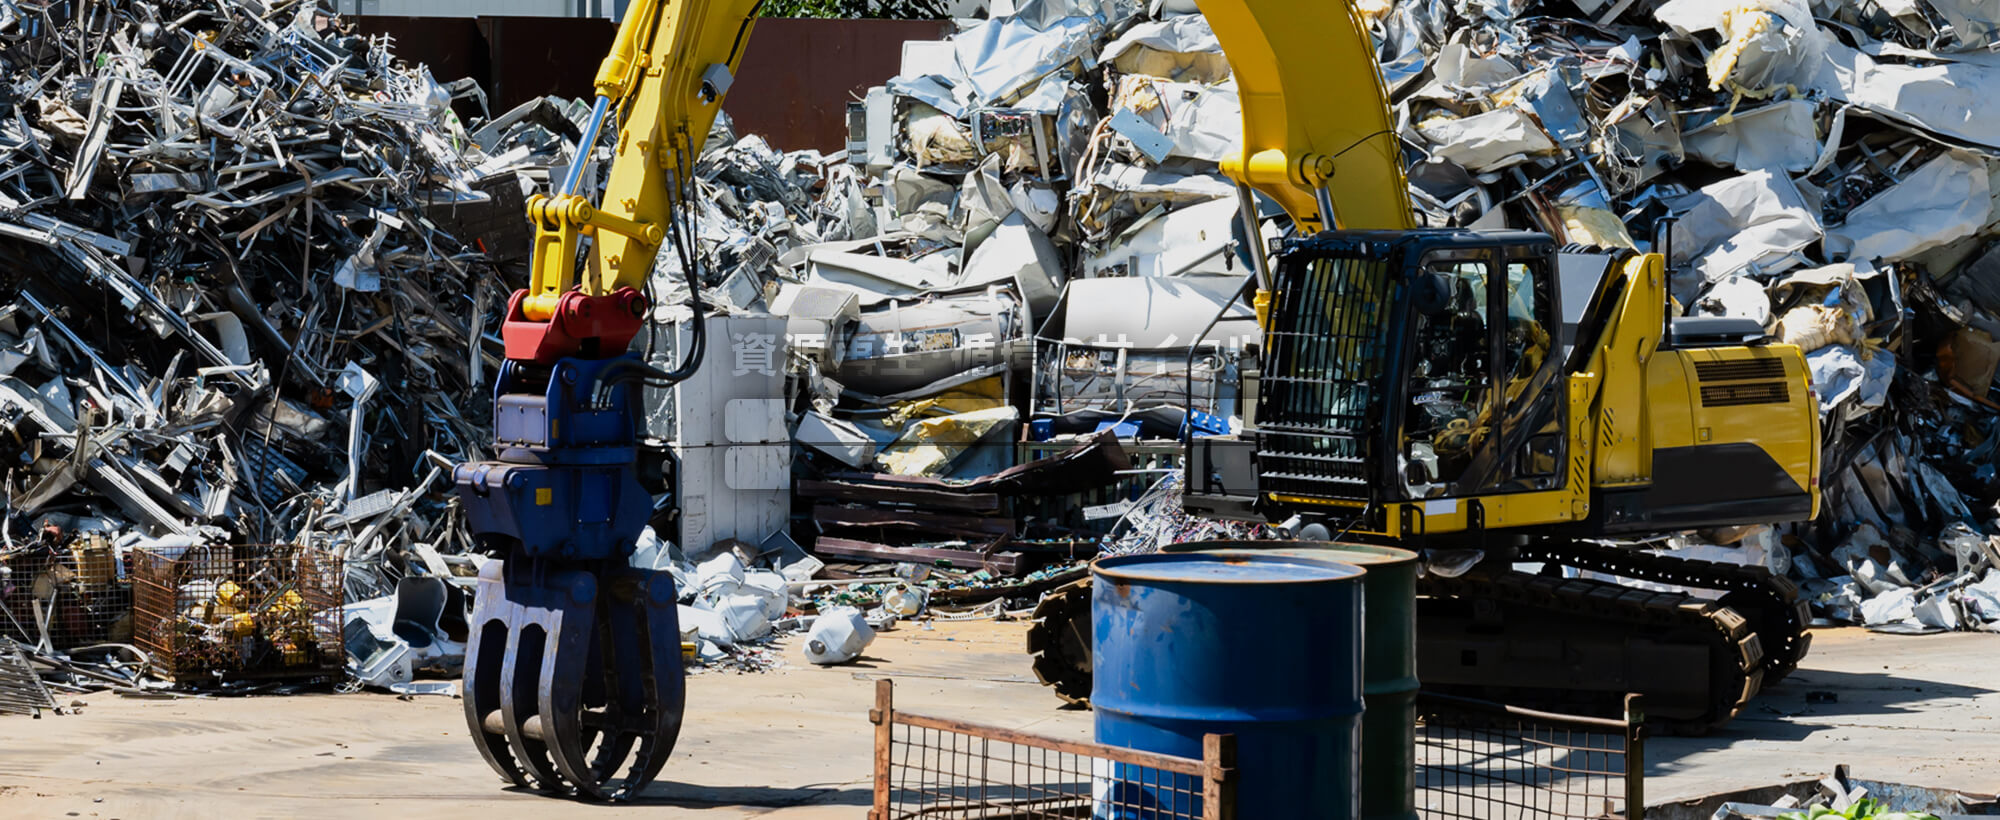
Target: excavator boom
[(1317, 131)]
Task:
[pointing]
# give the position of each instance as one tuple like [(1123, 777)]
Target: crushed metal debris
[(258, 262)]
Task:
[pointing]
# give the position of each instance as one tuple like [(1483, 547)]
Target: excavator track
[(1772, 602), (1698, 661), (1059, 641), (1578, 645)]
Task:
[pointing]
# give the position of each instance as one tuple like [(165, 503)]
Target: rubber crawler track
[(1756, 633), (1771, 602), (1736, 657)]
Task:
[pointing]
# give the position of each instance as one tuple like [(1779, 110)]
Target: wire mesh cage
[(1477, 759), (62, 595), (216, 614), (927, 767)]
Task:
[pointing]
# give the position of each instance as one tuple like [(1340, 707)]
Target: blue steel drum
[(1264, 647)]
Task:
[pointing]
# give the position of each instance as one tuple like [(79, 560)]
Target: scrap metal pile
[(253, 265), (247, 292), (1037, 198)]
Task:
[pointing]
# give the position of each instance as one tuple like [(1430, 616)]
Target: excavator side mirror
[(1431, 292)]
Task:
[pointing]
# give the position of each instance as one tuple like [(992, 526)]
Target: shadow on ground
[(1826, 693), (1814, 700), (690, 796)]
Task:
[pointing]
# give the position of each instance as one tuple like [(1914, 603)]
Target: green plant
[(1867, 808)]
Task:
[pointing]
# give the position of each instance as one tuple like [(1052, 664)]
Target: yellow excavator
[(1414, 390), (1422, 388)]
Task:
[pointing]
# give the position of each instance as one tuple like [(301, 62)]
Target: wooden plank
[(884, 718), (1218, 781)]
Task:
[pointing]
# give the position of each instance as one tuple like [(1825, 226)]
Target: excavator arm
[(573, 680), (660, 87), (1318, 136)]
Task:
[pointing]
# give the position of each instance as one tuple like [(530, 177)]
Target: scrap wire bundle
[(1156, 519)]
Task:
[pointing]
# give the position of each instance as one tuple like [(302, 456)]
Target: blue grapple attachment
[(574, 666)]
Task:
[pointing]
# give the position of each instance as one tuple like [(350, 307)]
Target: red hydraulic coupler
[(611, 321)]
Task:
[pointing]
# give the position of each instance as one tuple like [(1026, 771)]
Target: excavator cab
[(1398, 366), (1428, 389)]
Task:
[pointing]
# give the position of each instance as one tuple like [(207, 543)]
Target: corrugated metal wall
[(792, 87), (797, 75)]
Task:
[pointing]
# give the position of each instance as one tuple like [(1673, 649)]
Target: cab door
[(1480, 410)]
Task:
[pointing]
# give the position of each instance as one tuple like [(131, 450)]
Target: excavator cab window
[(1451, 374), (1531, 424), (1480, 414)]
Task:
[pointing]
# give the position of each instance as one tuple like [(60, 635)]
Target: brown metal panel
[(798, 75), (538, 56), (792, 87), (882, 493), (975, 526), (452, 46), (1004, 563)]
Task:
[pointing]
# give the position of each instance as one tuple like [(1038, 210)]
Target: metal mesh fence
[(928, 767), (1491, 762), (1474, 759), (65, 596)]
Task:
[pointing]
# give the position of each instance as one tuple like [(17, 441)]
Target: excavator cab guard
[(1398, 366)]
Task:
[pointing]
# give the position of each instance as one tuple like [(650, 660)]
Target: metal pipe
[(1635, 757), (584, 146), (1191, 263), (1253, 235), (1324, 196), (1194, 346)]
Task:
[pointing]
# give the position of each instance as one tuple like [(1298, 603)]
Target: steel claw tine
[(620, 667), (527, 650), (562, 673), (666, 685), (480, 689)]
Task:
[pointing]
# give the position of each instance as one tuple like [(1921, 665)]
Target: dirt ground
[(795, 743)]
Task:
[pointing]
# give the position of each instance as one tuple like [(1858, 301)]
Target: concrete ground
[(795, 743), (1914, 710)]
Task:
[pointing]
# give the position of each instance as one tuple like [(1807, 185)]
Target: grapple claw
[(584, 681), (574, 667), (485, 653)]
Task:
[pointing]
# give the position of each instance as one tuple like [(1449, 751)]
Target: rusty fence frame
[(1483, 757), (1216, 771), (1474, 759)]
